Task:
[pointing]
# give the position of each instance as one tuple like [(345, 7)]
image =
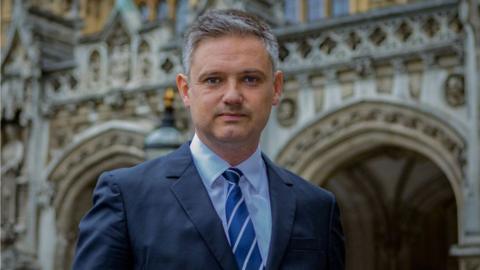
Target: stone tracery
[(364, 115)]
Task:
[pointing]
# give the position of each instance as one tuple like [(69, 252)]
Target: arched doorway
[(398, 211), (110, 146), (79, 200), (397, 174)]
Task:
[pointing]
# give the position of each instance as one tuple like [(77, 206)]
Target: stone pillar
[(468, 251), (472, 224)]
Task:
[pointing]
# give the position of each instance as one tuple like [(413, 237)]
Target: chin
[(232, 137)]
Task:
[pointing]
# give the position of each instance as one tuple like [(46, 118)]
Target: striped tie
[(240, 227)]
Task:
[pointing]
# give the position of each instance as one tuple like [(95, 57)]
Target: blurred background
[(381, 106)]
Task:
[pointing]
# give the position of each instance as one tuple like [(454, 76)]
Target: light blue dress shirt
[(254, 186)]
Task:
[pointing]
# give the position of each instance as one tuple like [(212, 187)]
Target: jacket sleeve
[(336, 253), (103, 237)]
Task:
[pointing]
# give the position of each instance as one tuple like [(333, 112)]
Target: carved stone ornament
[(145, 62), (384, 85), (45, 194), (368, 115), (13, 186), (287, 112), (15, 259), (12, 152), (455, 90), (363, 66), (12, 97), (347, 90), (27, 112), (94, 70), (120, 64), (119, 56), (415, 85)]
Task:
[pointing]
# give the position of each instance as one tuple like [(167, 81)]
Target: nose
[(233, 93)]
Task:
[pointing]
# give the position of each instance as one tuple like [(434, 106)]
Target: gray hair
[(218, 23)]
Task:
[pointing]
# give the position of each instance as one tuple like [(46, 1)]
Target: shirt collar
[(210, 166), (252, 168)]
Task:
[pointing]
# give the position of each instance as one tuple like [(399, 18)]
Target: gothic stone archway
[(395, 170), (398, 211), (76, 175)]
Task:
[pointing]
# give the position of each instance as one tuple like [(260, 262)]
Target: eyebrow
[(207, 73), (255, 71)]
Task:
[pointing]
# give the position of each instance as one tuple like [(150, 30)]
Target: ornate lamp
[(166, 137)]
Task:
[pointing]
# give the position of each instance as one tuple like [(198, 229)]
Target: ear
[(277, 87), (183, 89)]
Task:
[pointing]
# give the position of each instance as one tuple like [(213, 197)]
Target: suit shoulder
[(128, 172), (300, 184), (142, 172), (307, 187)]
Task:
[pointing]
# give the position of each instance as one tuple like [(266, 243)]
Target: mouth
[(231, 116)]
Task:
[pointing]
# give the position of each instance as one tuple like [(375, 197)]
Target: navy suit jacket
[(158, 215)]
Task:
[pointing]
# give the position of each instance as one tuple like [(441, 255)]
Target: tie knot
[(232, 175)]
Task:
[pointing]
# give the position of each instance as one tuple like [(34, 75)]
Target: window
[(181, 16), (316, 9), (340, 7), (292, 11), (162, 10), (297, 11), (143, 11)]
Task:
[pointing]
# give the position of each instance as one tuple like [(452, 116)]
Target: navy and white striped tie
[(240, 227)]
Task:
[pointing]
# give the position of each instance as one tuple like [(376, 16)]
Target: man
[(217, 202)]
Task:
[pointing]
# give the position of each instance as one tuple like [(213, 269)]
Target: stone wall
[(74, 105)]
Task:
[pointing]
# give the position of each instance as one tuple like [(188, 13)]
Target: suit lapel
[(282, 201), (193, 197)]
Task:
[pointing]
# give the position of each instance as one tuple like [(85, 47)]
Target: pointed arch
[(94, 145), (74, 173), (320, 148)]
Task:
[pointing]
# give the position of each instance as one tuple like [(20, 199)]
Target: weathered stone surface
[(402, 79)]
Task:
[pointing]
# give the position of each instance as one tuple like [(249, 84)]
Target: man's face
[(230, 90)]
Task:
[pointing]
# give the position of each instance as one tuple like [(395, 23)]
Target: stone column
[(468, 250)]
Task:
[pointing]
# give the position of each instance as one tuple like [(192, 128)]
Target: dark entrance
[(398, 211)]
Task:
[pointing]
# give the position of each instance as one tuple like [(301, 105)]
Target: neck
[(233, 153)]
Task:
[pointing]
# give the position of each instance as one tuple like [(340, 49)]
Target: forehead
[(228, 48), (225, 37)]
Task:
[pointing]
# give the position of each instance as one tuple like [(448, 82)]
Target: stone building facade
[(381, 106)]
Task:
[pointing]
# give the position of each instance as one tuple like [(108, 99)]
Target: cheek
[(267, 102), (201, 110)]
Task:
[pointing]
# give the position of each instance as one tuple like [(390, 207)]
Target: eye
[(251, 80), (212, 80)]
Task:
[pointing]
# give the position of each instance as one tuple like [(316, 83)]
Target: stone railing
[(379, 34)]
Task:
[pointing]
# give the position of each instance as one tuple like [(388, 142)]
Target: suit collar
[(194, 199), (283, 204), (277, 170), (177, 161)]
